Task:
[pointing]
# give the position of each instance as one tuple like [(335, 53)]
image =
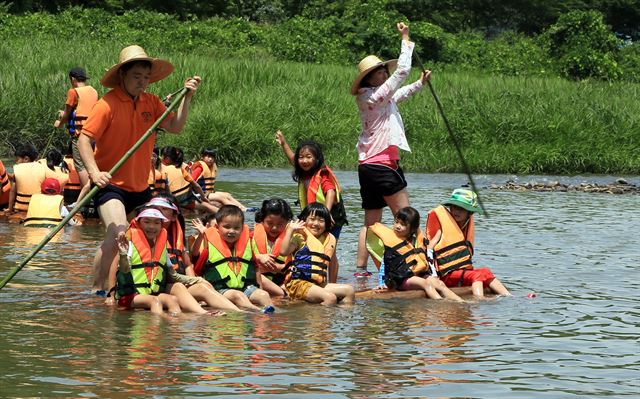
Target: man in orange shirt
[(116, 122), (81, 98)]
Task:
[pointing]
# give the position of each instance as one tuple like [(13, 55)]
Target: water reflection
[(577, 338)]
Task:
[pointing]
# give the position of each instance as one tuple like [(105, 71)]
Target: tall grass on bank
[(505, 124)]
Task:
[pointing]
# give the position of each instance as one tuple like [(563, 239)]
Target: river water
[(577, 338)]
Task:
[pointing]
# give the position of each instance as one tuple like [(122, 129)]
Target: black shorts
[(379, 181), (131, 200)]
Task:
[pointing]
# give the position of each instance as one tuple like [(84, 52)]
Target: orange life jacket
[(87, 98), (29, 176), (178, 185), (313, 193), (397, 252), (5, 186), (455, 248), (157, 180), (260, 244), (175, 246), (207, 179), (73, 186), (44, 210)]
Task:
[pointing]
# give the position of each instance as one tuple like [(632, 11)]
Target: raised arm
[(285, 147), (287, 246), (175, 124)]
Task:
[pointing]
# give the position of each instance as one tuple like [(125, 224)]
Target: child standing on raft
[(316, 183), (143, 265), (227, 261), (450, 234), (313, 246), (401, 257), (266, 241)]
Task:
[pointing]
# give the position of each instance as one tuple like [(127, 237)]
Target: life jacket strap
[(41, 220), (460, 265), (146, 264), (452, 246), (229, 259)]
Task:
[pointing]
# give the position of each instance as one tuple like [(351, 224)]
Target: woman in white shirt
[(377, 94)]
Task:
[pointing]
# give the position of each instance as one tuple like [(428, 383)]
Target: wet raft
[(393, 294)]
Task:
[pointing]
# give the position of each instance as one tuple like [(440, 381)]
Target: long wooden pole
[(94, 190), (465, 166)]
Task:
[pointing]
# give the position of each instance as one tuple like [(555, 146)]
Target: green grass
[(504, 124)]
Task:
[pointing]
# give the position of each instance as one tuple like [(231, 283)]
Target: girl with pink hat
[(378, 91)]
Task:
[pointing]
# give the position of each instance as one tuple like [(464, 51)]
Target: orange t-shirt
[(116, 123), (72, 98)]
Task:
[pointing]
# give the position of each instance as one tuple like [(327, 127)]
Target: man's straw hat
[(160, 69), (368, 64)]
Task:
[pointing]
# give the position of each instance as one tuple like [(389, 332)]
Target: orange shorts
[(466, 277)]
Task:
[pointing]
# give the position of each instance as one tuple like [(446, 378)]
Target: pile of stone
[(620, 186)]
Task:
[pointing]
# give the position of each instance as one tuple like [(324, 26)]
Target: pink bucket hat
[(162, 203), (151, 213)]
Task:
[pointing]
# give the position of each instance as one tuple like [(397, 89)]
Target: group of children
[(231, 268)]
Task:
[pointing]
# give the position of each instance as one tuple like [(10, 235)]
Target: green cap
[(465, 199)]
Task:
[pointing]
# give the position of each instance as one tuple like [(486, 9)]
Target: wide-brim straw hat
[(465, 199), (160, 69), (368, 64)]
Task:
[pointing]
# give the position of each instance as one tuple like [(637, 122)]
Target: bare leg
[(371, 216), (240, 299), (260, 298), (497, 287), (442, 288), (397, 201), (186, 301), (318, 294), (225, 199), (212, 297), (150, 302), (272, 288), (171, 303), (344, 293), (114, 218), (206, 207), (418, 283), (478, 289)]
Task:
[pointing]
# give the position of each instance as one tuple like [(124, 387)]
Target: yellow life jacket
[(228, 267), (382, 243), (44, 210), (207, 179), (148, 274), (311, 262), (29, 176), (87, 98), (178, 185), (260, 245), (455, 248), (313, 193), (157, 180)]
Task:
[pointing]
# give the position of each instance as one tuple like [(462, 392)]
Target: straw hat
[(465, 199), (160, 69), (368, 64)]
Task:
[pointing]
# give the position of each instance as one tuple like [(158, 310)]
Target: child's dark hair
[(411, 217), (126, 67), (274, 206), (319, 210), (208, 218), (365, 81), (229, 210), (208, 151), (26, 150), (174, 154), (316, 150), (54, 158)]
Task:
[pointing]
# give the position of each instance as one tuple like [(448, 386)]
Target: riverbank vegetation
[(562, 101)]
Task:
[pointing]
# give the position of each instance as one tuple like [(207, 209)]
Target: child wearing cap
[(182, 270), (144, 266), (450, 235)]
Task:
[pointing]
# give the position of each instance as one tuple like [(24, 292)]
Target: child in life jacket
[(227, 261), (143, 269), (47, 208), (400, 255), (450, 234), (179, 255), (312, 245), (204, 172), (316, 183), (266, 241), (28, 175), (181, 184), (157, 178), (5, 186)]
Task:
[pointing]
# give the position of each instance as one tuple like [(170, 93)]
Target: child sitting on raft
[(227, 261), (181, 184), (182, 267), (316, 183), (450, 235), (204, 172), (266, 242), (143, 267), (400, 255), (313, 246)]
